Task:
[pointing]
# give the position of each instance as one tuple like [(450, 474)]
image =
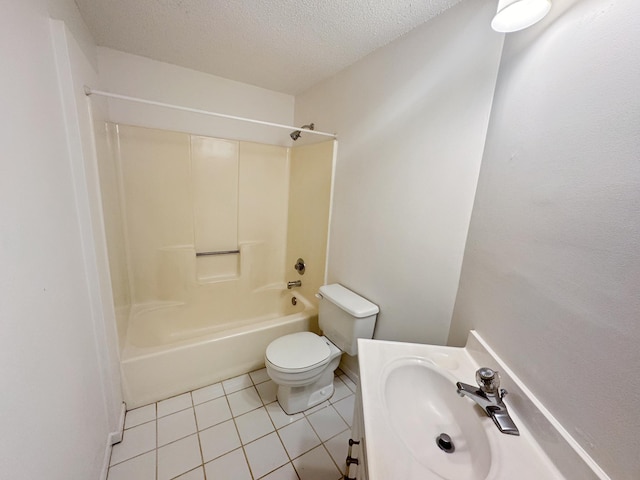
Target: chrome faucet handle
[(489, 381)]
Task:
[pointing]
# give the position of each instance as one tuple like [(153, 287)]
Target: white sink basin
[(420, 404), (409, 398)]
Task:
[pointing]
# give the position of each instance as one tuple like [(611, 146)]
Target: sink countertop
[(407, 454)]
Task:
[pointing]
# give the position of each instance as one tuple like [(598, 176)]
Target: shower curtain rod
[(89, 91)]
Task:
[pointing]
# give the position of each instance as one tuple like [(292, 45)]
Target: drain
[(444, 442), (294, 301)]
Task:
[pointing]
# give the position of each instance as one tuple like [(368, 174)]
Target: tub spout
[(297, 283)]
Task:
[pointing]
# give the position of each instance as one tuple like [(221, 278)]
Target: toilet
[(302, 364)]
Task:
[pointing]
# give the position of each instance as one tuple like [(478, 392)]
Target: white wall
[(56, 407), (141, 77), (411, 120), (81, 113), (67, 11), (551, 271)]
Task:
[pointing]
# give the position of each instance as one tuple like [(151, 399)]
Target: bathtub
[(172, 348)]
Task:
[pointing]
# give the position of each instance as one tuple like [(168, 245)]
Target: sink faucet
[(489, 396), (297, 283)]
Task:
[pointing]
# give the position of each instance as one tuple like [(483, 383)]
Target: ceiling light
[(514, 15)]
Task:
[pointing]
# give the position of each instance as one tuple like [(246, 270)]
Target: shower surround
[(187, 320)]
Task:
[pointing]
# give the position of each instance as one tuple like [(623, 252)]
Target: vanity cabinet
[(357, 444)]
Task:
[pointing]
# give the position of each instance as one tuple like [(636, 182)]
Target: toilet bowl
[(302, 364)]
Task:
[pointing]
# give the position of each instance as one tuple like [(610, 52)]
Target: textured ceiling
[(282, 45)]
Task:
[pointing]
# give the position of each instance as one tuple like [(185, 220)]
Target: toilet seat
[(298, 352)]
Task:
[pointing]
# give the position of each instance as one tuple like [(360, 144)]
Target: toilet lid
[(298, 351)]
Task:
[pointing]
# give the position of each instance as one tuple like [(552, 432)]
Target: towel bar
[(221, 252)]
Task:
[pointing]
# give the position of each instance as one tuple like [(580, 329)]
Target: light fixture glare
[(514, 15)]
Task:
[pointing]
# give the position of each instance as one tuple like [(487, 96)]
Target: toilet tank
[(345, 316)]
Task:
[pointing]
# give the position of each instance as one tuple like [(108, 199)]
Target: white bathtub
[(174, 348)]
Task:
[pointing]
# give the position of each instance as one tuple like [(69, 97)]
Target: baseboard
[(112, 439), (349, 372), (116, 437)]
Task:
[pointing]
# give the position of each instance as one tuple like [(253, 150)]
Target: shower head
[(295, 135)]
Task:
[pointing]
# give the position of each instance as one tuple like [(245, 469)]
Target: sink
[(407, 398), (420, 403)]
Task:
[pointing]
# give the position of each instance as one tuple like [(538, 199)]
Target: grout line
[(188, 471), (278, 468), (349, 386), (233, 419), (135, 456), (177, 411), (275, 430), (315, 446), (195, 417), (334, 460), (176, 440), (340, 415), (317, 434), (284, 448), (246, 458), (157, 452), (271, 471), (139, 424), (329, 453), (295, 470), (305, 415)]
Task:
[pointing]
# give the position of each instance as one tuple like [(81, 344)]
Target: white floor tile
[(298, 438), (232, 466), (178, 457), (207, 393), (181, 451), (265, 454), (279, 417), (267, 391), (138, 468), (316, 465), (259, 376), (318, 407), (345, 408), (135, 441), (218, 440), (237, 383), (212, 412), (174, 404), (340, 390), (349, 383), (327, 423), (253, 425), (197, 474), (338, 448), (283, 473), (176, 426), (141, 415), (244, 401)]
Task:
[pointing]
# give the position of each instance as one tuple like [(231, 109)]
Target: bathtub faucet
[(297, 283), (489, 396)]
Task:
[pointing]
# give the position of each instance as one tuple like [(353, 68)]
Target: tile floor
[(236, 430)]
